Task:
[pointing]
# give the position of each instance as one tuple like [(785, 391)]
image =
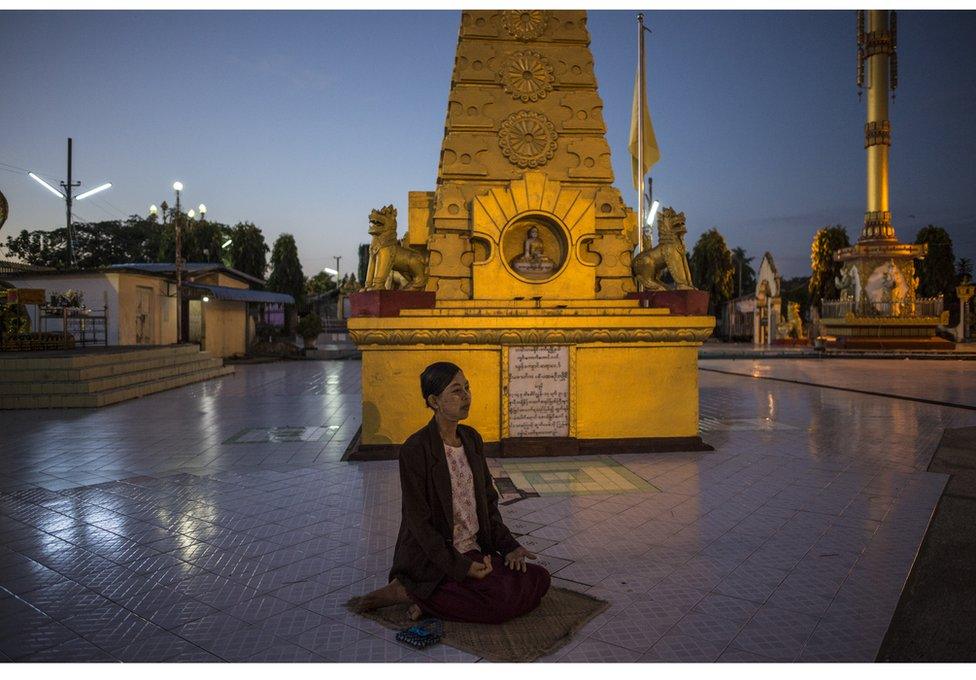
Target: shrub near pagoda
[(309, 328)]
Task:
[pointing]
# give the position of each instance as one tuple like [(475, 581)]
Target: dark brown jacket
[(424, 553)]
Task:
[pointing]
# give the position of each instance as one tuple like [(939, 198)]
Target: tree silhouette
[(363, 262), (203, 240), (323, 282), (286, 274), (826, 242), (248, 251), (937, 270), (97, 244), (711, 266)]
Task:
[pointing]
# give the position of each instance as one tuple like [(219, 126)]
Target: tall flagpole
[(640, 132)]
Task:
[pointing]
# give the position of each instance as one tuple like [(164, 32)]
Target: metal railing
[(921, 307), (335, 330), (87, 326)]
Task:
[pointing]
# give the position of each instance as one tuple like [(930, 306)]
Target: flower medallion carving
[(525, 24), (527, 139), (527, 76)]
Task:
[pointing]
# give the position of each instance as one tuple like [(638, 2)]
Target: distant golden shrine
[(529, 283), (877, 307)]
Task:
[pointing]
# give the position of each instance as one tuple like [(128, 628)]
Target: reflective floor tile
[(73, 651), (329, 638), (284, 653), (301, 592), (155, 649), (730, 608), (181, 612), (35, 640), (776, 633), (96, 619), (678, 648), (598, 651), (733, 654), (707, 627), (239, 644), (123, 633), (291, 623), (258, 608)]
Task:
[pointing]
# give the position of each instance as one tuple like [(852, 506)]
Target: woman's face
[(455, 401)]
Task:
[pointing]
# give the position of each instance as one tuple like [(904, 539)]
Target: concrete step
[(140, 390), (142, 361), (112, 396), (145, 372), (80, 359)]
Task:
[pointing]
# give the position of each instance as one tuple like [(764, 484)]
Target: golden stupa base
[(886, 344), (548, 377), (899, 323), (880, 251), (883, 333)]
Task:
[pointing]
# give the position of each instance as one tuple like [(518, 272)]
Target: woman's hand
[(516, 559), (480, 569)]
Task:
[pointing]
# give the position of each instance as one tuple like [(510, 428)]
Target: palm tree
[(745, 275), (964, 269)]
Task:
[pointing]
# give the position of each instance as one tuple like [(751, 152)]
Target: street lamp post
[(178, 187), (69, 199), (179, 262)]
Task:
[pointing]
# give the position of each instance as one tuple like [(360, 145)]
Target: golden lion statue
[(793, 326), (669, 254), (387, 255)]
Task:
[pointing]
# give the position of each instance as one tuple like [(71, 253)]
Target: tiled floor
[(215, 522), (571, 476)]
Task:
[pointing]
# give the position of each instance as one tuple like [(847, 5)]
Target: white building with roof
[(135, 304)]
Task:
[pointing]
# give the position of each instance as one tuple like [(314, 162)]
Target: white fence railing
[(921, 307)]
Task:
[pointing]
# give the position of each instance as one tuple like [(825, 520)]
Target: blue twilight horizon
[(303, 121)]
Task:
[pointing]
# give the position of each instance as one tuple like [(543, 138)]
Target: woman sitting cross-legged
[(448, 558)]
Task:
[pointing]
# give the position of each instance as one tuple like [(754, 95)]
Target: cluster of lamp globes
[(191, 213)]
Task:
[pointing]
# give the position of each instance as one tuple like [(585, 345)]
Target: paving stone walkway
[(217, 523)]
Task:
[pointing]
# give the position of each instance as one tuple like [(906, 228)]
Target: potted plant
[(309, 328)]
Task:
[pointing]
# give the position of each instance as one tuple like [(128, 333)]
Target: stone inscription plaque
[(538, 392)]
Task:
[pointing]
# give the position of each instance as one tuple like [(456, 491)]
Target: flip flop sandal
[(422, 634)]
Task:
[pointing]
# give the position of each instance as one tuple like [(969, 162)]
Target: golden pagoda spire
[(877, 60)]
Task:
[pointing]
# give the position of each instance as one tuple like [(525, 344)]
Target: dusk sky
[(302, 122)]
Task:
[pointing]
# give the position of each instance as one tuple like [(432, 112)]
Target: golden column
[(876, 51), (878, 308), (877, 38)]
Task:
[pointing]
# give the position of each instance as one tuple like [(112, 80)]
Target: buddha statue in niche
[(533, 261)]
